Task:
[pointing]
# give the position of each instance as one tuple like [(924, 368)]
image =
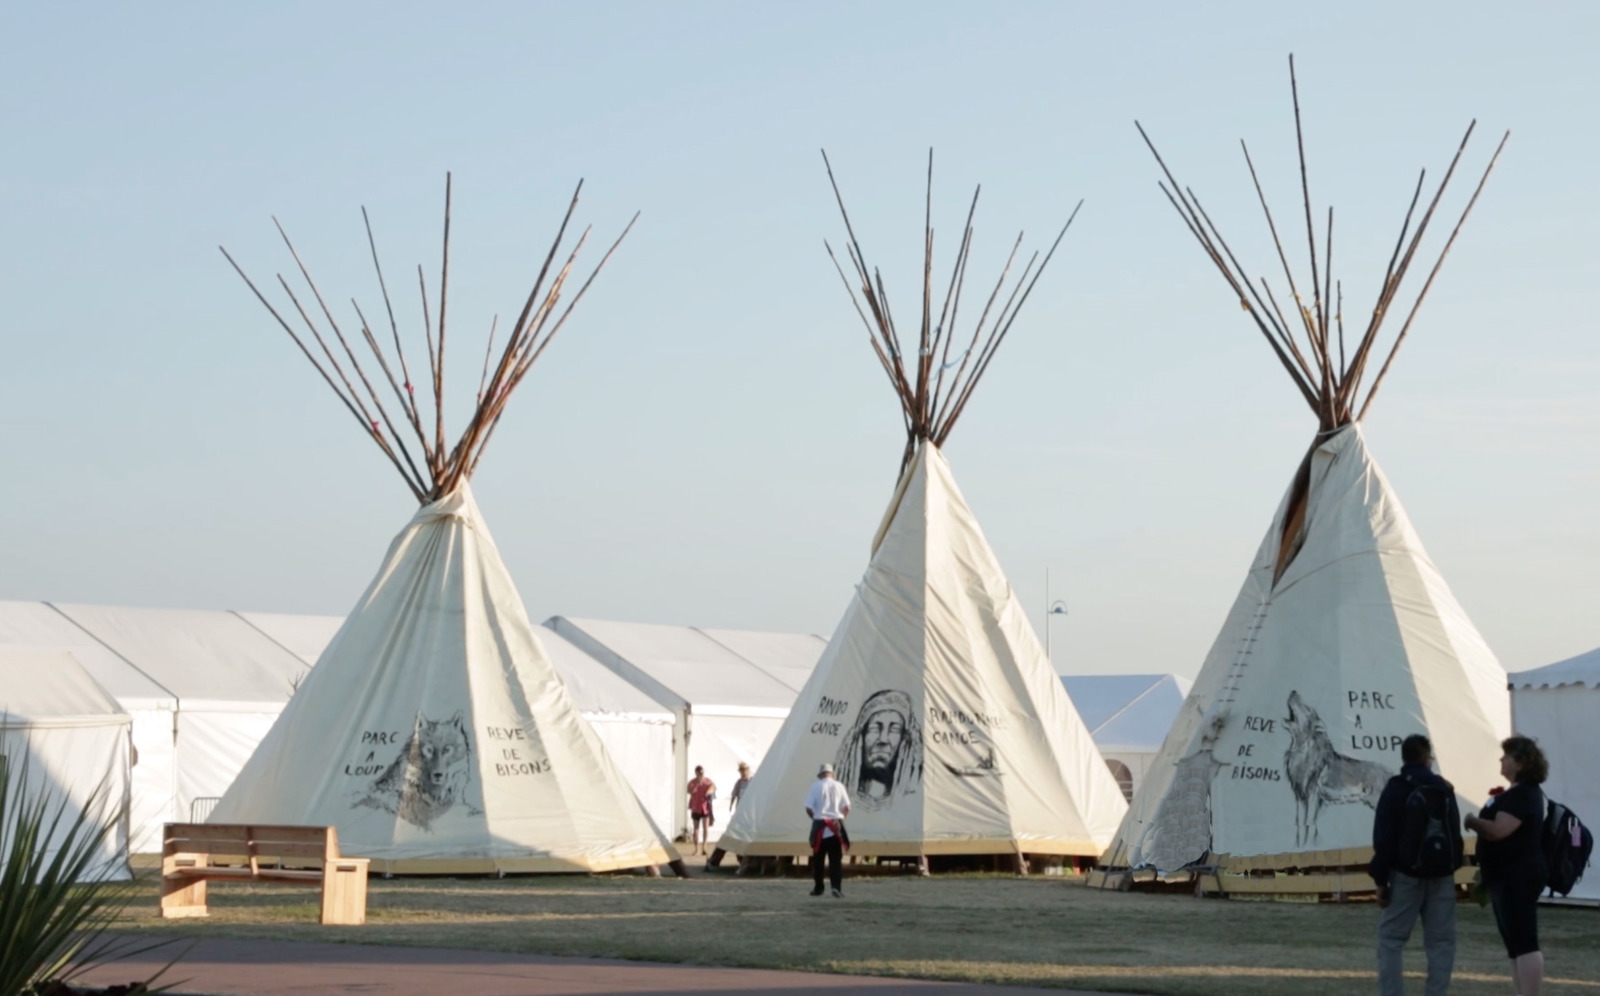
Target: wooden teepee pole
[(1330, 385), (536, 326), (931, 402)]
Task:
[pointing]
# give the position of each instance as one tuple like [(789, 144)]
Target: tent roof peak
[(1312, 346), (931, 397), (442, 467)]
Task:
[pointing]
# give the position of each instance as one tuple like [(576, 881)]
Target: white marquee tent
[(153, 710), (229, 682), (636, 729), (788, 657), (201, 687), (1559, 705), (304, 636), (1129, 716), (726, 707), (73, 741), (214, 687)]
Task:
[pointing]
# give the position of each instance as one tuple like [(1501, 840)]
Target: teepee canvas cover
[(1344, 639), (934, 699), (936, 705), (1295, 721), (434, 732), (636, 730)]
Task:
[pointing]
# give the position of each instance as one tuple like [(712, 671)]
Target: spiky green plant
[(56, 904)]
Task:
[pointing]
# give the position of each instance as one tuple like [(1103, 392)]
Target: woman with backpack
[(1510, 833)]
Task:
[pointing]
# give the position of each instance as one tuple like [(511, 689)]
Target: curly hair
[(1532, 765)]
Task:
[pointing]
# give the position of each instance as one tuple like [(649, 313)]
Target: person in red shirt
[(702, 792)]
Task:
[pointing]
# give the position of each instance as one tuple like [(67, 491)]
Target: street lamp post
[(1051, 610)]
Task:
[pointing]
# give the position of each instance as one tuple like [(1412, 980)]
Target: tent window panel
[(1124, 777)]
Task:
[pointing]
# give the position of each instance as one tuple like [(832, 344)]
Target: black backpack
[(1567, 845), (1430, 844)]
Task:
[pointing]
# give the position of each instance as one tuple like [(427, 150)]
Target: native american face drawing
[(880, 759)]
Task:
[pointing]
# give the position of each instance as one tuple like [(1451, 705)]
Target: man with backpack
[(1416, 845)]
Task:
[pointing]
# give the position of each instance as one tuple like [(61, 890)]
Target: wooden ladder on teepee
[(1241, 656)]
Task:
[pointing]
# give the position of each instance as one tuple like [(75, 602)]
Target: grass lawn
[(1039, 931)]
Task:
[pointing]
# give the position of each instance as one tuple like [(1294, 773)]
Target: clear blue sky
[(710, 441)]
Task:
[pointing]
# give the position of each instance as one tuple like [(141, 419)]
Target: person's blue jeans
[(1434, 899)]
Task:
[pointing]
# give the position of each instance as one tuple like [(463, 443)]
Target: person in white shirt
[(828, 804), (739, 786)]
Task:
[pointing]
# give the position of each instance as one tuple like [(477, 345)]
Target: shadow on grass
[(973, 929)]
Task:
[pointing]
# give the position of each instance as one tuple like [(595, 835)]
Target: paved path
[(300, 968)]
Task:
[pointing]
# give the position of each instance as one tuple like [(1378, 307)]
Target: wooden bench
[(193, 854)]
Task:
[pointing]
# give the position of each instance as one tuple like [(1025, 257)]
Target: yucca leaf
[(56, 904)]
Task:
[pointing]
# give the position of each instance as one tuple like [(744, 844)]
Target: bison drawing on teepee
[(934, 699), (434, 733), (1345, 637)]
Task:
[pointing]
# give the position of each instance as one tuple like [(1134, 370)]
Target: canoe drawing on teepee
[(434, 732), (934, 700), (1345, 637)]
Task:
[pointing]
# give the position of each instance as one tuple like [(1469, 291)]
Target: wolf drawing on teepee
[(934, 700), (1345, 637), (434, 733)]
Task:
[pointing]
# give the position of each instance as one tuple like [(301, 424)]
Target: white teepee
[(1344, 640), (934, 700), (434, 732), (937, 706), (1295, 721)]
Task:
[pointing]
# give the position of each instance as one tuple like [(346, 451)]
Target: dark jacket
[(1521, 855), (1389, 821)]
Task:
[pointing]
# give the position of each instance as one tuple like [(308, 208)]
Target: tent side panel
[(155, 774), (69, 765), (1566, 722), (212, 749), (643, 751), (719, 744)]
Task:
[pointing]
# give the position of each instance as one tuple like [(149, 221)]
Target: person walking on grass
[(1510, 833), (1416, 849), (828, 804), (702, 792)]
